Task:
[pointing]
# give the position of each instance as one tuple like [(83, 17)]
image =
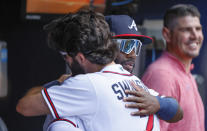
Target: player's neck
[(96, 68), (101, 67)]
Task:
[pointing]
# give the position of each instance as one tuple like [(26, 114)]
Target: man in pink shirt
[(170, 75)]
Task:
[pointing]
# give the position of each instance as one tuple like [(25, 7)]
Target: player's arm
[(166, 108), (33, 103)]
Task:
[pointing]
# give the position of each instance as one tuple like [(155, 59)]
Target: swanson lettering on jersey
[(120, 87)]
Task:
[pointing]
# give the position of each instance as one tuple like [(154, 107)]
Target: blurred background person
[(170, 75)]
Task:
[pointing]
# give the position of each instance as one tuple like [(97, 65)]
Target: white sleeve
[(76, 96), (63, 125)]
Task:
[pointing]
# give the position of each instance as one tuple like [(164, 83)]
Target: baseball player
[(64, 124), (114, 21), (130, 41), (97, 97)]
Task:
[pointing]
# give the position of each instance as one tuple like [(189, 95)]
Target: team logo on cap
[(133, 25)]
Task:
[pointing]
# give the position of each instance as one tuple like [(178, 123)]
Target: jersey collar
[(115, 69)]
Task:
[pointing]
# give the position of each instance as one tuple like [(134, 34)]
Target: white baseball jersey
[(97, 99)]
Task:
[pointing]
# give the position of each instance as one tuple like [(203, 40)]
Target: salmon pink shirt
[(167, 76)]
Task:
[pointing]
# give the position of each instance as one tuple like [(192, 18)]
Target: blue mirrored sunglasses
[(127, 45)]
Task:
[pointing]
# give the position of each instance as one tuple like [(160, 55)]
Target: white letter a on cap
[(133, 25)]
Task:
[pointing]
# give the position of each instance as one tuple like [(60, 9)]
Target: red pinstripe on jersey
[(70, 122), (150, 123), (117, 73), (52, 105)]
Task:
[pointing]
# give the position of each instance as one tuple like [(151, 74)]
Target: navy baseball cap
[(125, 27)]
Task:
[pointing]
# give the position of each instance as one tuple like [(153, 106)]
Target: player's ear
[(166, 34), (80, 58)]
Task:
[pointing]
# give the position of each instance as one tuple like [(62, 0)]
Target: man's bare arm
[(33, 103)]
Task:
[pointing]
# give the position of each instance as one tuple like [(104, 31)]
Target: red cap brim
[(144, 39)]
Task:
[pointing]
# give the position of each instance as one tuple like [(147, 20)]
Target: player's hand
[(142, 100), (63, 77)]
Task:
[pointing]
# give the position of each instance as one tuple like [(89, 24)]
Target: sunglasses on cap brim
[(127, 45)]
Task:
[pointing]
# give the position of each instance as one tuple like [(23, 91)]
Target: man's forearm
[(170, 110), (34, 90), (33, 103)]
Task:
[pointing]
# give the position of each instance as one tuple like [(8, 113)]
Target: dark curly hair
[(85, 31)]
